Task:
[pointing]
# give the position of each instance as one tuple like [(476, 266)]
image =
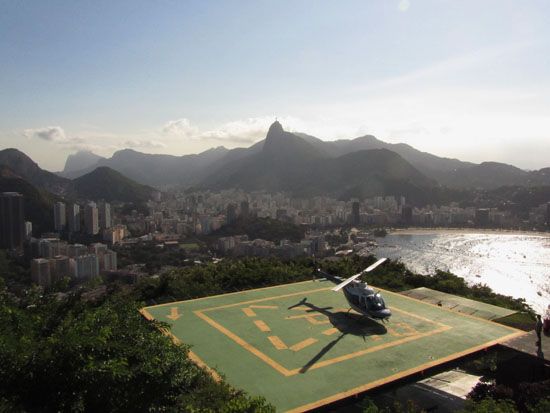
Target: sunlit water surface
[(511, 264)]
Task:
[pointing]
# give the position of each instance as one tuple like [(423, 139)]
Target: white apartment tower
[(91, 219), (73, 218)]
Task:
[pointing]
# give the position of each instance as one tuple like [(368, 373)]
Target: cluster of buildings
[(240, 245), (181, 214), (204, 212), (93, 219), (53, 259)]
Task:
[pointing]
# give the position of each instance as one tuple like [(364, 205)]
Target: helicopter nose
[(385, 313)]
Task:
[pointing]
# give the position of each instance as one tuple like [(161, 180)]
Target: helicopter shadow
[(346, 323)]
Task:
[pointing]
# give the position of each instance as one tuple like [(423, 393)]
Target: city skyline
[(468, 82)]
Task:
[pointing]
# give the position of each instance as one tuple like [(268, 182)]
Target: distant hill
[(38, 203), (157, 170), (109, 185), (26, 168), (282, 159), (81, 160), (423, 161)]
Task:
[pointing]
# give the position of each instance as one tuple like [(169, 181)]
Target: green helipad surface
[(304, 354)]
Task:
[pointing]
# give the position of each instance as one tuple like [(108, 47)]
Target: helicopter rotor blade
[(353, 277)]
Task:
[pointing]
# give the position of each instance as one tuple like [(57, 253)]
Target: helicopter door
[(368, 302), (365, 302)]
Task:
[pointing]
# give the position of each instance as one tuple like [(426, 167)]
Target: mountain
[(156, 169), (290, 163), (279, 157), (81, 160), (272, 168), (109, 185), (487, 175), (26, 168), (38, 203)]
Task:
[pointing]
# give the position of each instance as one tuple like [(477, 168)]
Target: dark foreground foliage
[(524, 397)]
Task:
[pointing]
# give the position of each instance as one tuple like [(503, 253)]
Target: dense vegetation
[(264, 228)]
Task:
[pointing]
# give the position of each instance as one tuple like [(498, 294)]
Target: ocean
[(515, 264)]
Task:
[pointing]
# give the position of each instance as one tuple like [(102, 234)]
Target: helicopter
[(361, 298)]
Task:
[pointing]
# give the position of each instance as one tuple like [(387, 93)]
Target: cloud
[(48, 133), (180, 127), (404, 5), (240, 131), (132, 143)]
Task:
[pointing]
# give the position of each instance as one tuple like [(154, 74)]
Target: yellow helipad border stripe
[(262, 326), (330, 331)]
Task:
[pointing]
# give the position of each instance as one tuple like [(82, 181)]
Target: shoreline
[(423, 231)]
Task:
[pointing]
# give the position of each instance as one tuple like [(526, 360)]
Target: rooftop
[(302, 357)]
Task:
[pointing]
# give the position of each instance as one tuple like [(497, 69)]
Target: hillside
[(38, 203), (26, 168), (109, 185)]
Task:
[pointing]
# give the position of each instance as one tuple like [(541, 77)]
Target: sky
[(467, 79)]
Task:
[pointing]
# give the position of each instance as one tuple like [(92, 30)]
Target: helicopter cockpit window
[(379, 301)]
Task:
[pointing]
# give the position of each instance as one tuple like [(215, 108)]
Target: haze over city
[(467, 79)]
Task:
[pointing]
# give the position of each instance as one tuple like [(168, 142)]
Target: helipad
[(305, 354)]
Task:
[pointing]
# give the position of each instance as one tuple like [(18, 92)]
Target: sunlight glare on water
[(511, 264)]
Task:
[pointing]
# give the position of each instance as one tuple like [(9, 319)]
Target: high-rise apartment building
[(12, 220), (40, 272), (245, 209), (91, 219), (355, 218), (85, 266), (231, 214), (59, 216), (73, 218), (110, 261), (105, 216), (28, 230)]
